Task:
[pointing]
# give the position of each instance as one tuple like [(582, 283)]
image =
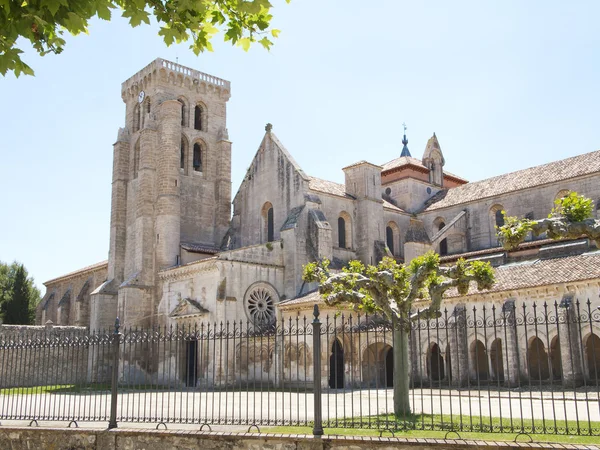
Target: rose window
[(260, 304)]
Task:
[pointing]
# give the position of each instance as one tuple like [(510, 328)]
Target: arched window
[(184, 113), (341, 232), (268, 221), (443, 242), (136, 159), (199, 118), (197, 157), (392, 238), (499, 218), (344, 230), (561, 194), (136, 117), (183, 155)]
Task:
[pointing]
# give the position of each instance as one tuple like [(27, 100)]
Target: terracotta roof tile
[(564, 169)]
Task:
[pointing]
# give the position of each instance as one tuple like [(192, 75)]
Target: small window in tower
[(197, 157), (270, 226), (148, 106), (341, 232), (182, 155), (198, 113), (184, 120), (388, 191), (136, 159), (136, 118)]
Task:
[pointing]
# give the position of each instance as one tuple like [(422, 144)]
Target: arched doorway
[(336, 366), (592, 356), (435, 363), (496, 360), (480, 361), (378, 365), (538, 360), (389, 368), (555, 359)]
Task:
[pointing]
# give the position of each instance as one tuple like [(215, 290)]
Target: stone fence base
[(138, 439)]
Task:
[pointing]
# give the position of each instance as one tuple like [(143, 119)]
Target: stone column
[(168, 202), (510, 349), (118, 210), (570, 347), (459, 351)]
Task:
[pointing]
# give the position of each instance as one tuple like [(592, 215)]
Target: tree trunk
[(401, 371)]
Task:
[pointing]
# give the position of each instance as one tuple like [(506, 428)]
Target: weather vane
[(404, 125)]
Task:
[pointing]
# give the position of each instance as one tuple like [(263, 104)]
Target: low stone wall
[(42, 355), (123, 439)]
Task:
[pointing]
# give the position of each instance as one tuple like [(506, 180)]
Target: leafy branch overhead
[(571, 218), (392, 288), (44, 22)]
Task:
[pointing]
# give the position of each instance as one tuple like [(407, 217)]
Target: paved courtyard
[(256, 407)]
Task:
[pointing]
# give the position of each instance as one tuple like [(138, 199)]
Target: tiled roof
[(403, 161), (564, 169), (96, 266), (308, 299), (199, 248), (328, 187), (409, 160), (391, 206), (543, 272)]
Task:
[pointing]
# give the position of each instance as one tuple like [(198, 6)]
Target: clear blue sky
[(505, 85)]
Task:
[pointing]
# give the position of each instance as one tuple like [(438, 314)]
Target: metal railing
[(508, 368)]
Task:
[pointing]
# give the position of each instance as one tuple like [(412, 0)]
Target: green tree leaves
[(18, 295), (44, 22), (571, 218), (391, 288)]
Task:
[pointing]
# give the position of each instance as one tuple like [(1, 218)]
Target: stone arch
[(496, 215), (376, 359), (435, 362), (200, 117), (392, 238), (439, 224), (561, 194), (267, 214), (136, 118), (537, 360), (479, 361), (497, 360), (591, 344), (184, 111), (555, 358), (336, 365), (199, 160), (299, 353), (184, 155), (344, 230)]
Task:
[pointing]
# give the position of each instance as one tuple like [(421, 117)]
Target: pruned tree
[(571, 218), (390, 289)]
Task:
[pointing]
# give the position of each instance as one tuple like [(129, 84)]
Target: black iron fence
[(509, 368)]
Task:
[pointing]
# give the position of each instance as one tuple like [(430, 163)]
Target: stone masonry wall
[(123, 439), (37, 356)]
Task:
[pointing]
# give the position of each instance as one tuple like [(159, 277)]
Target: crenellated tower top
[(161, 72)]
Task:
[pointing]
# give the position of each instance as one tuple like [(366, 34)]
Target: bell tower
[(171, 183)]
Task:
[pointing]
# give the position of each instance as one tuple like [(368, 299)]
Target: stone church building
[(179, 254)]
